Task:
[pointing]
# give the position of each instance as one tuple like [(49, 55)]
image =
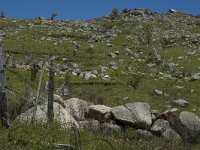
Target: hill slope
[(137, 55), (139, 50)]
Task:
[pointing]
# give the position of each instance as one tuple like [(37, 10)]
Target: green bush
[(115, 12)]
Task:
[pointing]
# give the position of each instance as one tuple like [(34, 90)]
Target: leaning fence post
[(40, 83), (50, 113), (3, 96)]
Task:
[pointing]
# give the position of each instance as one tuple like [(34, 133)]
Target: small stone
[(112, 55), (113, 65), (109, 44), (151, 65), (128, 52), (195, 76), (158, 92), (180, 102)]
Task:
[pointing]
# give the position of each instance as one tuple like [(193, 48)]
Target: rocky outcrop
[(171, 125)]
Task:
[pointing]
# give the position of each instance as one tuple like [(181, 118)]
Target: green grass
[(195, 30), (43, 137)]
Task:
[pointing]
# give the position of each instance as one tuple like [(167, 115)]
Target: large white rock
[(123, 115), (77, 108), (141, 113), (186, 124), (39, 114), (163, 128), (99, 112)]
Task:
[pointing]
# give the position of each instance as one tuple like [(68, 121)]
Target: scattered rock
[(109, 44), (164, 76), (170, 64), (172, 11), (125, 98), (191, 53), (89, 75), (151, 65), (155, 55), (106, 77), (128, 52), (180, 102), (113, 65), (158, 92), (112, 55), (195, 76)]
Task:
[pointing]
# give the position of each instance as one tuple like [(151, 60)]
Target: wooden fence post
[(50, 113), (40, 83), (3, 96)]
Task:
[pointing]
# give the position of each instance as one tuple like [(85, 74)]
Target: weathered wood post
[(40, 82), (50, 113), (3, 98)]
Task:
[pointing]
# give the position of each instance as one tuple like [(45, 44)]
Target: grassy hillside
[(125, 42)]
